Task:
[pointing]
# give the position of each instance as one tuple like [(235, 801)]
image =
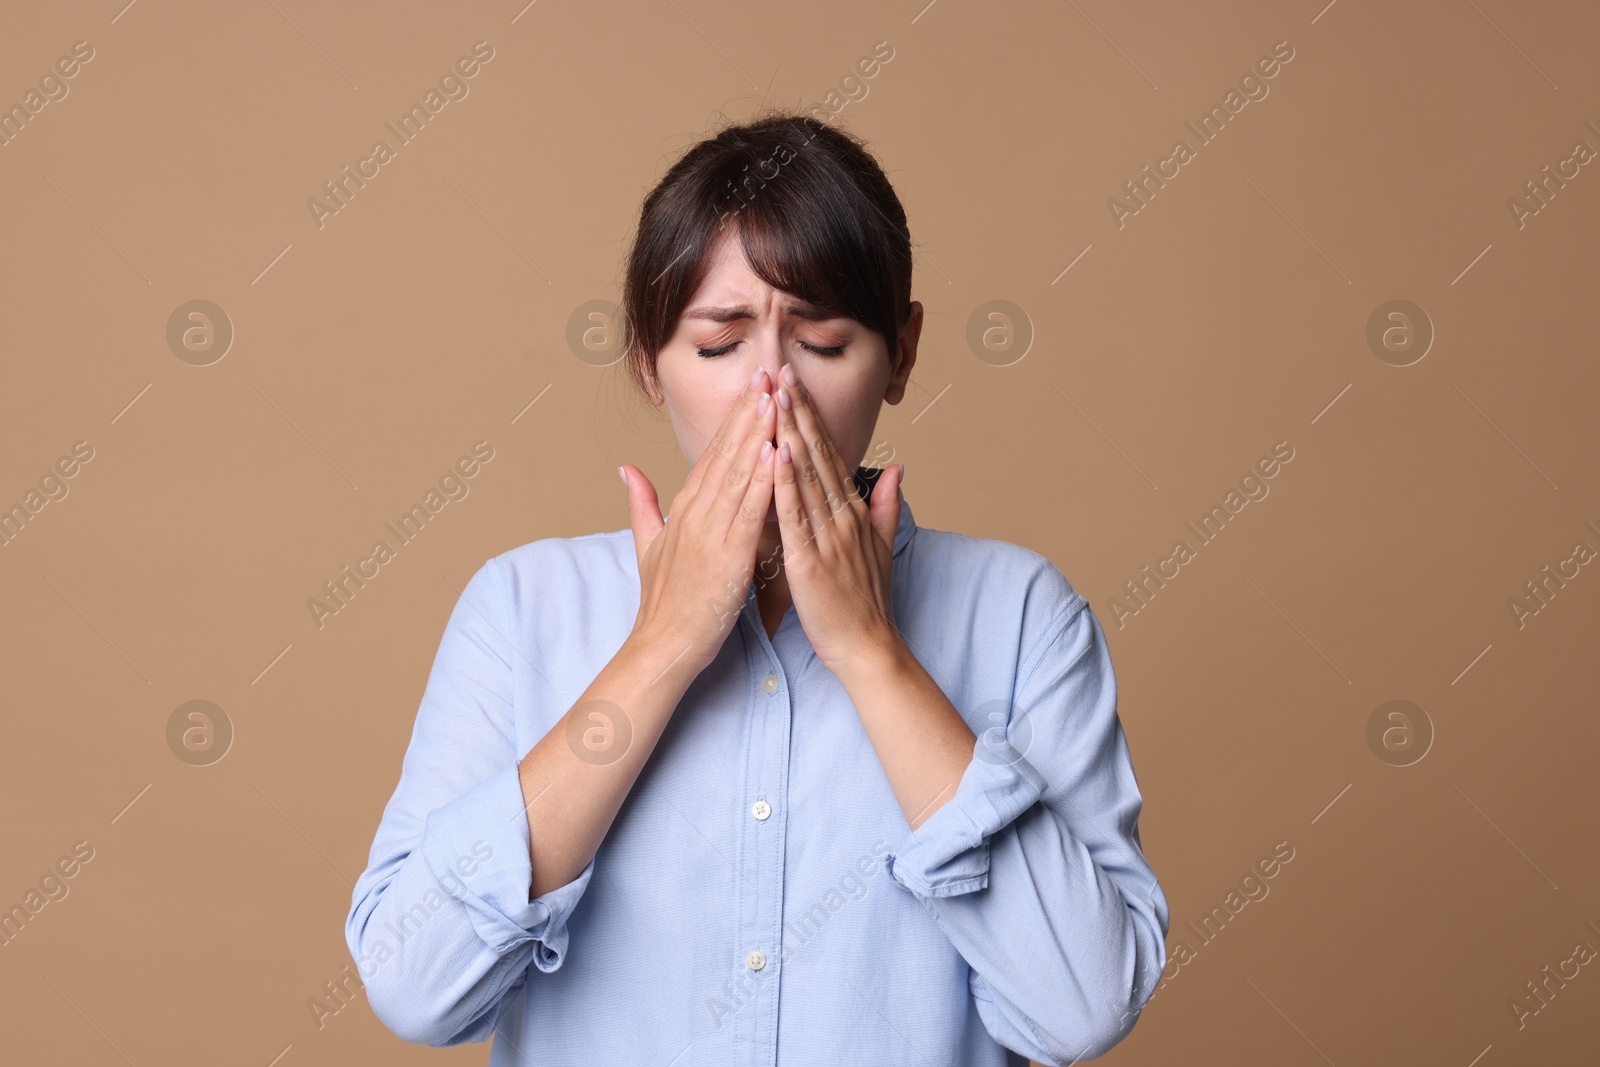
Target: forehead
[(730, 290), (728, 272)]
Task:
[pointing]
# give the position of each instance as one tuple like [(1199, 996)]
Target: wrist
[(881, 657), (662, 655)]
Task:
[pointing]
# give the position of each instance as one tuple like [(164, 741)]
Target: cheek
[(699, 398), (848, 419)]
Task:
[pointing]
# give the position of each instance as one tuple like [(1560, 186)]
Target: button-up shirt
[(760, 897)]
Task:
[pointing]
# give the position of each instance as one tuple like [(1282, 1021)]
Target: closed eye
[(711, 353)]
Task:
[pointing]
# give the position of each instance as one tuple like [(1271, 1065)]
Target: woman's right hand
[(694, 571)]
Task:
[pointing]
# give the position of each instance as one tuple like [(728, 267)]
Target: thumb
[(644, 507), (886, 503)]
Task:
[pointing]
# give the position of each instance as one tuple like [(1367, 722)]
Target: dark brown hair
[(815, 213)]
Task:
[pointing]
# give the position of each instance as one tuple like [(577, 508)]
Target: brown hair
[(814, 211)]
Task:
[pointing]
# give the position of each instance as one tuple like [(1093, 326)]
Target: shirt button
[(770, 684), (756, 960), (761, 810)]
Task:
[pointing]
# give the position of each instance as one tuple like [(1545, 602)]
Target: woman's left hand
[(838, 550)]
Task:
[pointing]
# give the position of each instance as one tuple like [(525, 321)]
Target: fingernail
[(755, 377), (783, 453), (623, 475), (788, 374), (766, 450), (761, 405), (783, 398)]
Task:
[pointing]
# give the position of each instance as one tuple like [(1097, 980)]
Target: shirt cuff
[(949, 853), (491, 820)]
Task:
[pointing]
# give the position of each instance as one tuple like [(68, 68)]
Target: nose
[(766, 346), (771, 361)]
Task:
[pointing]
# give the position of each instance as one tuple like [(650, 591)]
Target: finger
[(794, 520), (644, 508), (745, 532), (725, 508), (816, 496), (886, 503), (835, 476), (714, 461)]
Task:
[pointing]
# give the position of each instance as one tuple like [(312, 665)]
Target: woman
[(779, 776)]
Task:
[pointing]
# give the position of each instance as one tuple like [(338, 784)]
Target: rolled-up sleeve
[(949, 852), (496, 896), (1034, 868), (441, 924)]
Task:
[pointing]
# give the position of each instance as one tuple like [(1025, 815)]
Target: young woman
[(778, 777)]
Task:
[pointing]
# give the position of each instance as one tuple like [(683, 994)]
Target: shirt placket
[(764, 799)]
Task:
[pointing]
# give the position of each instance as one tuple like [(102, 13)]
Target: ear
[(906, 356)]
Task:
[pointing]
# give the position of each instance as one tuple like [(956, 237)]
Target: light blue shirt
[(760, 898)]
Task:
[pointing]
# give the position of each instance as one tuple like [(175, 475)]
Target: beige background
[(1230, 313)]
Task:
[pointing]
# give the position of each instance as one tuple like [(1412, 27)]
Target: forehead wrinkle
[(799, 309)]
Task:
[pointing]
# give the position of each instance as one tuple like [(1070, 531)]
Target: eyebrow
[(801, 309)]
